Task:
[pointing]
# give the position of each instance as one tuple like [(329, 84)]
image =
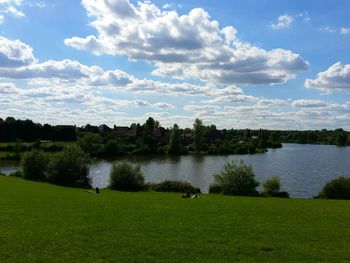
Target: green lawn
[(41, 223)]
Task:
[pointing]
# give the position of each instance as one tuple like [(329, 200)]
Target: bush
[(338, 188), (16, 174), (215, 189), (175, 186), (236, 179), (70, 168), (272, 187), (34, 165), (126, 177), (91, 143)]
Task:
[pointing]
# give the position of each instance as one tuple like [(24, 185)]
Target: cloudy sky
[(238, 64)]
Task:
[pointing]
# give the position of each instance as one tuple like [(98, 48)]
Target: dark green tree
[(198, 135), (236, 178), (34, 165), (175, 140), (342, 138)]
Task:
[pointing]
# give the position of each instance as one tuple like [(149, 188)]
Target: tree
[(34, 165), (126, 177), (198, 135), (342, 138), (91, 143), (247, 135), (338, 188), (175, 140), (70, 168), (236, 178)]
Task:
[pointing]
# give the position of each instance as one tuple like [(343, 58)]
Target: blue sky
[(240, 64)]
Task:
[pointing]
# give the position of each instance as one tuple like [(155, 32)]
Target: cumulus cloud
[(335, 78), (10, 7), (183, 46), (272, 102), (307, 103), (14, 53), (8, 88), (283, 21)]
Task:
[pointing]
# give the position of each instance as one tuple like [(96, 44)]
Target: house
[(160, 135), (125, 131), (215, 136), (104, 128), (187, 138)]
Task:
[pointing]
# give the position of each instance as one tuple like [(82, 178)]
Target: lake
[(303, 169)]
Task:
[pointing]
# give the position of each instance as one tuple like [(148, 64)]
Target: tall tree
[(175, 140), (342, 138), (198, 134)]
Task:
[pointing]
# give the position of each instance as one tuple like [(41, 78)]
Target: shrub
[(175, 186), (338, 188), (34, 165), (91, 143), (70, 168), (236, 178), (215, 189), (272, 187), (16, 174), (126, 177)]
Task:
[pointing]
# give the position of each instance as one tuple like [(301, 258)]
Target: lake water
[(303, 169)]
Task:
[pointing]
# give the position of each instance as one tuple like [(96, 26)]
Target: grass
[(42, 223)]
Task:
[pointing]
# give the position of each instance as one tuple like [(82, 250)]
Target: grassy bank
[(42, 222)]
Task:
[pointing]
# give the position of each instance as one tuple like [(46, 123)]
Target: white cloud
[(183, 46), (10, 7), (167, 6), (283, 21), (163, 106), (335, 78), (342, 30), (8, 88), (345, 30), (328, 29), (14, 53), (307, 103), (272, 102)]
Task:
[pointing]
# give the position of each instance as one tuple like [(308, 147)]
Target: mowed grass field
[(45, 223)]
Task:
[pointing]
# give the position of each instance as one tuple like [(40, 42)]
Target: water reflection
[(303, 169)]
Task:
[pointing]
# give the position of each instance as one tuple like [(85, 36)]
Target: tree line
[(151, 138)]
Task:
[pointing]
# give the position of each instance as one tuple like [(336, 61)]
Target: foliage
[(175, 140), (215, 189), (26, 130), (126, 177), (198, 133), (175, 186), (342, 138), (272, 187), (70, 168), (91, 143), (338, 188), (16, 174), (34, 165), (237, 178)]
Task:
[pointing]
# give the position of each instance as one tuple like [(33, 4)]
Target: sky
[(237, 64)]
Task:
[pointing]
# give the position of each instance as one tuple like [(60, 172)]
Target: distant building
[(125, 131), (160, 135), (104, 128)]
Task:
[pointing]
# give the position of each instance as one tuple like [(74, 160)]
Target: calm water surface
[(303, 169)]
